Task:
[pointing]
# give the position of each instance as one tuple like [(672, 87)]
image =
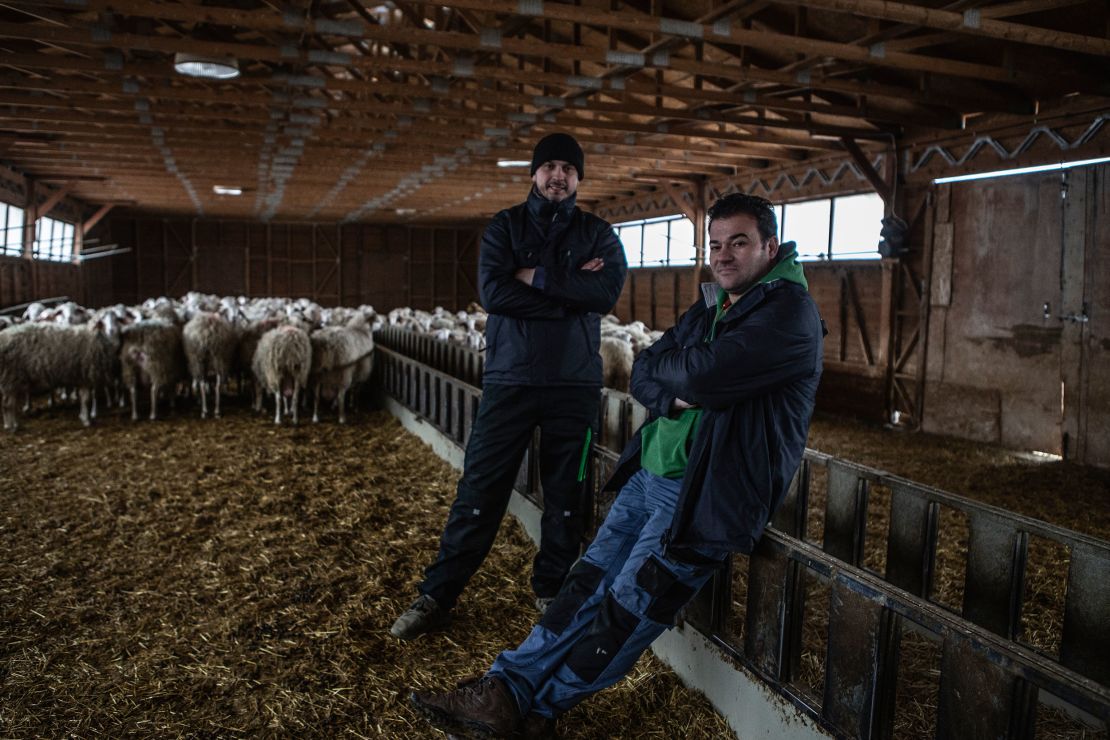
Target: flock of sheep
[(620, 343), (281, 347)]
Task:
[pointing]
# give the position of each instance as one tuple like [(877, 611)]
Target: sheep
[(249, 338), (281, 364), (340, 356), (44, 356), (209, 341), (616, 363), (152, 352)]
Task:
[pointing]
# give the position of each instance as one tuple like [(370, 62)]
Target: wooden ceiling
[(399, 111)]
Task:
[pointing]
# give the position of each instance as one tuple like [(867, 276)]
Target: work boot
[(425, 615), (536, 727), (478, 709)]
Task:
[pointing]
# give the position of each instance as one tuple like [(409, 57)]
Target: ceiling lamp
[(227, 190), (201, 65)]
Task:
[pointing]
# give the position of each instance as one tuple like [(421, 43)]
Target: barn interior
[(351, 153)]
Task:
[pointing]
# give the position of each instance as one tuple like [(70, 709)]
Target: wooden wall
[(1017, 344), (25, 280), (333, 264), (657, 296)]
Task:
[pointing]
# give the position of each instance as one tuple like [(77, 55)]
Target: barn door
[(994, 359), (1082, 313)]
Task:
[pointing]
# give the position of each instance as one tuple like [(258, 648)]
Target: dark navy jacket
[(548, 333), (757, 383)]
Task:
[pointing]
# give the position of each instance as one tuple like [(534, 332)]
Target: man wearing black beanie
[(547, 271)]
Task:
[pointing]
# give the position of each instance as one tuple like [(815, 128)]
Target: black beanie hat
[(562, 147)]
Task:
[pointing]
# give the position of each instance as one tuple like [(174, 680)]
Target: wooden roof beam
[(971, 22), (778, 42), (573, 14), (493, 72), (884, 189), (96, 217), (55, 198)]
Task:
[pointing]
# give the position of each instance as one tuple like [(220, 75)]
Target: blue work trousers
[(507, 417), (616, 600)]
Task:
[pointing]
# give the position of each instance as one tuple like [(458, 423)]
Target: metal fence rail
[(989, 685), (996, 555)]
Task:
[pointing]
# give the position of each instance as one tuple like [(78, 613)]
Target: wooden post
[(165, 260), (339, 265), (247, 264), (701, 224), (408, 266), (696, 212), (269, 260), (193, 253)]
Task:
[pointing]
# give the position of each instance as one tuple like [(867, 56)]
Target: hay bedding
[(230, 578)]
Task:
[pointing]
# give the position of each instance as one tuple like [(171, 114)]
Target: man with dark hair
[(546, 272), (731, 389)]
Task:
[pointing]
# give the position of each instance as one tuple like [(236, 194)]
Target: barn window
[(652, 242), (11, 241), (53, 240), (845, 227)]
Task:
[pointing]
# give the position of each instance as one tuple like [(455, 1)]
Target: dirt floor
[(229, 577)]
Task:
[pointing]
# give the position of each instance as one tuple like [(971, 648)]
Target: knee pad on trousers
[(610, 631), (580, 583), (668, 594)]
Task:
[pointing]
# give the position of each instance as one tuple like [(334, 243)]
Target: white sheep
[(38, 356), (249, 337), (281, 364), (209, 341), (341, 355), (152, 353), (616, 363)]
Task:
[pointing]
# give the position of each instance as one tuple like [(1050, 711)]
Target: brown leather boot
[(536, 727), (479, 709)]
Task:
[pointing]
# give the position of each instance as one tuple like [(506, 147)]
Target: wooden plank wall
[(657, 296), (24, 280), (333, 264), (1017, 344)]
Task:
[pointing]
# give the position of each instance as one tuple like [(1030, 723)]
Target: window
[(857, 220), (11, 239), (846, 227), (808, 225), (53, 240), (652, 242)]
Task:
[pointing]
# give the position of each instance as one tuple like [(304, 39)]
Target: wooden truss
[(348, 110)]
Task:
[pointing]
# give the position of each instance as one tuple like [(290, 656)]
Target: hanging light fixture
[(202, 65)]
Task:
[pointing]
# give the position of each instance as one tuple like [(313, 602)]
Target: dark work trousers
[(507, 415)]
